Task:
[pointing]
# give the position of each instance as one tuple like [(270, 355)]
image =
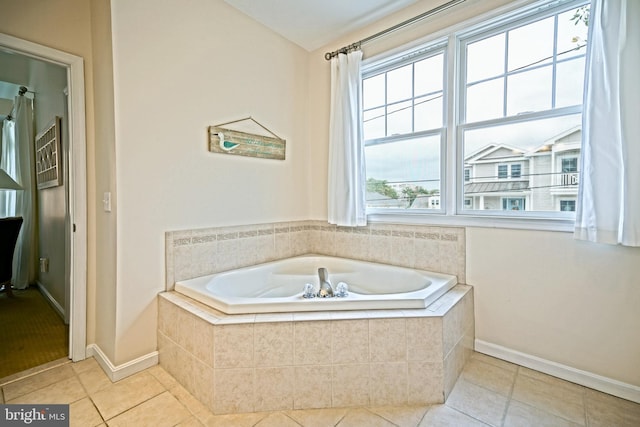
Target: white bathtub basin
[(277, 287)]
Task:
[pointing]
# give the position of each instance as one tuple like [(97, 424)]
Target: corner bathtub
[(277, 287)]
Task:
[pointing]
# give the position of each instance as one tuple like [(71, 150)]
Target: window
[(402, 124), (503, 171), (516, 171), (569, 165), (568, 205), (513, 204), (516, 109)]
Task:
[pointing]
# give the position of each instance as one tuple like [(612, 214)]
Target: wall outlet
[(44, 265)]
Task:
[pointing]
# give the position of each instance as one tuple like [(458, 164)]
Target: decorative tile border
[(193, 253)]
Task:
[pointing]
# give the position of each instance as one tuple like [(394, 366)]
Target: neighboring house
[(377, 200), (501, 177)]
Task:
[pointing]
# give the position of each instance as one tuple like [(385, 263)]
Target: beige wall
[(178, 70), (539, 293), (568, 301), (101, 299), (64, 25), (49, 81)]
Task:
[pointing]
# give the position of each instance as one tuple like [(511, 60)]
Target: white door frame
[(77, 182)]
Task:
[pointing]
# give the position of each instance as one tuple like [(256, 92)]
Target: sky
[(534, 83)]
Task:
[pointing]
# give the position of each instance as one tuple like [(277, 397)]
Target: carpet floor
[(31, 332)]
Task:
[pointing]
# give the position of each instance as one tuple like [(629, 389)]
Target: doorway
[(75, 234)]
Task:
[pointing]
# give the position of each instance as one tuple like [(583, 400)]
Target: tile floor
[(489, 392)]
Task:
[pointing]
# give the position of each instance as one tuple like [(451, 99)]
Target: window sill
[(539, 224)]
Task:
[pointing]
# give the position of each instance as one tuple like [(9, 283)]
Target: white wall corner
[(116, 373), (587, 379)]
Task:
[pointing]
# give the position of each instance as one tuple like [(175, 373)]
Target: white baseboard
[(57, 307), (116, 373), (587, 379)]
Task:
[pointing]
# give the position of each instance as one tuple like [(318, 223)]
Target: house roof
[(495, 187), (494, 152)]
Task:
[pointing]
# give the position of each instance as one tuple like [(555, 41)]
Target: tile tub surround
[(267, 362), (194, 253)]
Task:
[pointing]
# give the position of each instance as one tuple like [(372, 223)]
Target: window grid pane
[(519, 113)]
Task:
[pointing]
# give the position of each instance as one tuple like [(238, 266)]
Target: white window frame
[(452, 168)]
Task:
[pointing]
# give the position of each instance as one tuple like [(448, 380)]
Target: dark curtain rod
[(21, 92), (357, 45)]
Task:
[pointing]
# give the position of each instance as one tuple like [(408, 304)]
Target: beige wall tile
[(200, 342), (273, 344), (350, 385), (233, 391), (388, 383), (424, 339), (350, 341), (387, 340), (274, 389), (453, 365), (203, 384), (425, 383), (167, 318), (185, 330), (380, 246), (312, 343), (233, 346), (427, 256), (312, 387)]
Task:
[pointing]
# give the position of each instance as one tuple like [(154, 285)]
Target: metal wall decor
[(48, 156), (230, 141)]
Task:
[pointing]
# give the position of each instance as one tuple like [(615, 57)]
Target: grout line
[(292, 419), (513, 386), (467, 415)]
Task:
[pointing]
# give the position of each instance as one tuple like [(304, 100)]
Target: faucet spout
[(326, 290)]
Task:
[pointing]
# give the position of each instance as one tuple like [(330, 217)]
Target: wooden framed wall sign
[(229, 141)]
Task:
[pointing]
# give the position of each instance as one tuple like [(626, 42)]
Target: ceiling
[(13, 67), (312, 24)]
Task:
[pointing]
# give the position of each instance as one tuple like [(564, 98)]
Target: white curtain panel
[(8, 164), (346, 191), (25, 256), (609, 196)]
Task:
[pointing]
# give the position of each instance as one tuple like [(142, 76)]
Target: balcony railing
[(569, 179)]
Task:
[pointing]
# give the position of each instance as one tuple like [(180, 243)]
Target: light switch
[(106, 201)]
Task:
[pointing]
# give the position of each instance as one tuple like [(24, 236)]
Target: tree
[(411, 193), (381, 186)]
